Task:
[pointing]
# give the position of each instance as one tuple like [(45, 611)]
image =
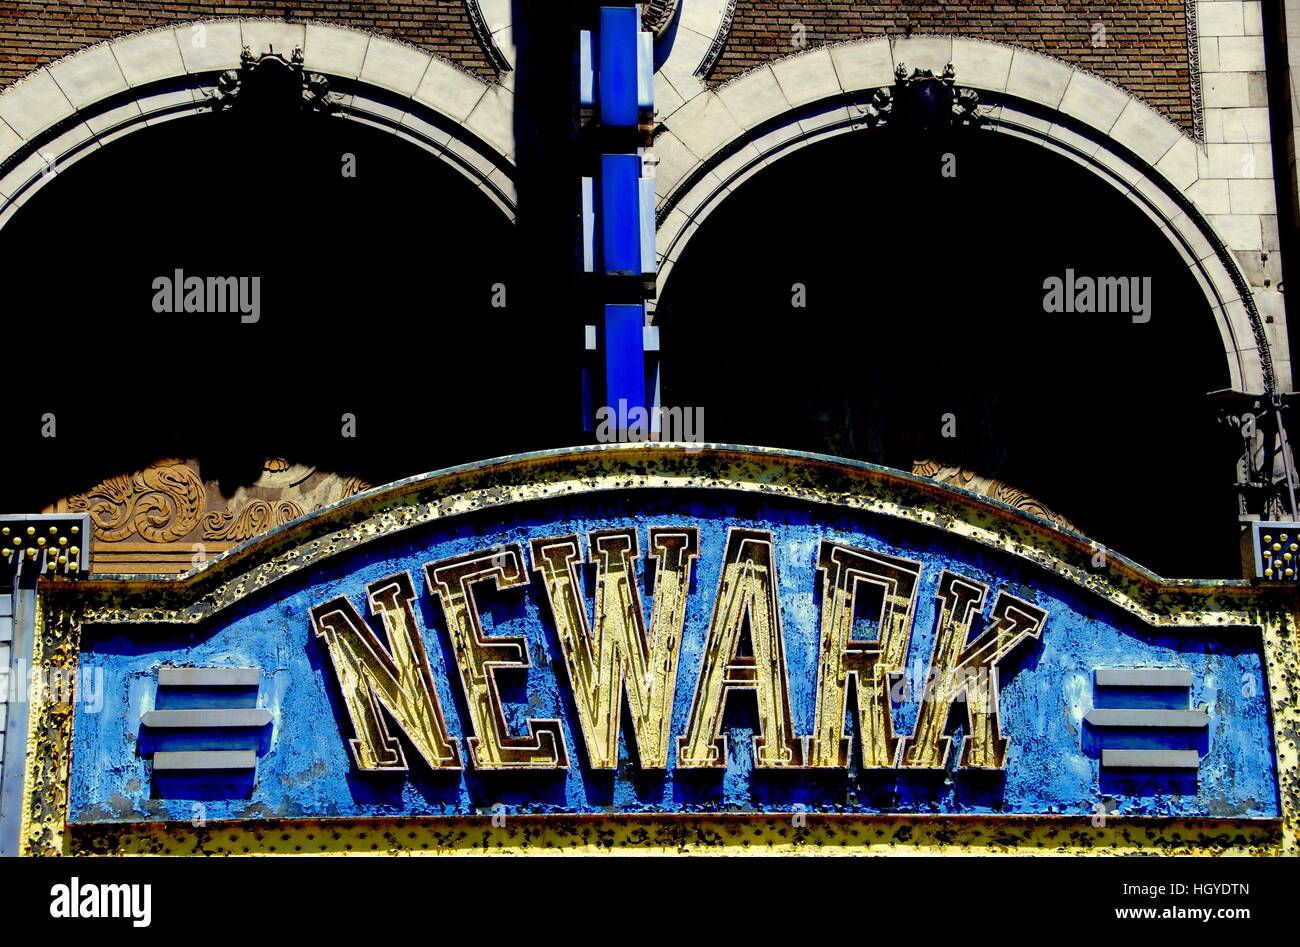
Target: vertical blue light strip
[(624, 356), (619, 45), (620, 213), (618, 220)]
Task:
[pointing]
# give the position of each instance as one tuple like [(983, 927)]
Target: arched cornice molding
[(492, 22), (74, 106), (713, 142)]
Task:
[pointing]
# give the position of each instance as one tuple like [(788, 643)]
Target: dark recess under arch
[(930, 302)]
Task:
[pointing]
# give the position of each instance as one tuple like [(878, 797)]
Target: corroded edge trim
[(723, 834), (49, 734)]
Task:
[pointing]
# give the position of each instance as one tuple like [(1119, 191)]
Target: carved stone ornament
[(271, 83), (168, 518), (253, 519), (159, 505), (923, 101)]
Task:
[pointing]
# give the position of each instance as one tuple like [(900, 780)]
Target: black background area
[(376, 300), (925, 298)]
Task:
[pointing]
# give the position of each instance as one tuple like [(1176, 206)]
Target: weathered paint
[(252, 610), (721, 834), (1046, 688)]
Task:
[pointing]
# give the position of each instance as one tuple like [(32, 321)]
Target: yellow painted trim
[(695, 835)]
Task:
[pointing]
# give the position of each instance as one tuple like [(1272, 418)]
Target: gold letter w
[(618, 651)]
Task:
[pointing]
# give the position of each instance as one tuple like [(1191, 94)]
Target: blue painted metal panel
[(1046, 687), (624, 357), (619, 27), (620, 214)]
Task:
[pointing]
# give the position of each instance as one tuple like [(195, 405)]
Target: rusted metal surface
[(819, 482)]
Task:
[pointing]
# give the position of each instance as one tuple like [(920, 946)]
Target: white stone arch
[(74, 106), (710, 144)]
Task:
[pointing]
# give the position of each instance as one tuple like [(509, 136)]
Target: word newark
[(616, 653)]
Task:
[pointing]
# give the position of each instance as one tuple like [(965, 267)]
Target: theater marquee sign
[(648, 648)]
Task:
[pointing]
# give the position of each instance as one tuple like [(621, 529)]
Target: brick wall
[(32, 34), (1145, 47)]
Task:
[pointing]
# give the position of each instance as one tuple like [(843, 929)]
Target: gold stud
[(1268, 554), (63, 540), (72, 566), (1289, 573), (1283, 537), (1268, 539), (4, 531), (63, 560), (75, 530), (31, 552), (1277, 547), (1286, 556), (31, 530), (40, 541), (54, 531), (73, 550)]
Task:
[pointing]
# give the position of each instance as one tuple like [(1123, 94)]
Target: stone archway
[(713, 142), (62, 112)]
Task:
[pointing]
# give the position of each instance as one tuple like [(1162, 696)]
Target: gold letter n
[(397, 679)]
